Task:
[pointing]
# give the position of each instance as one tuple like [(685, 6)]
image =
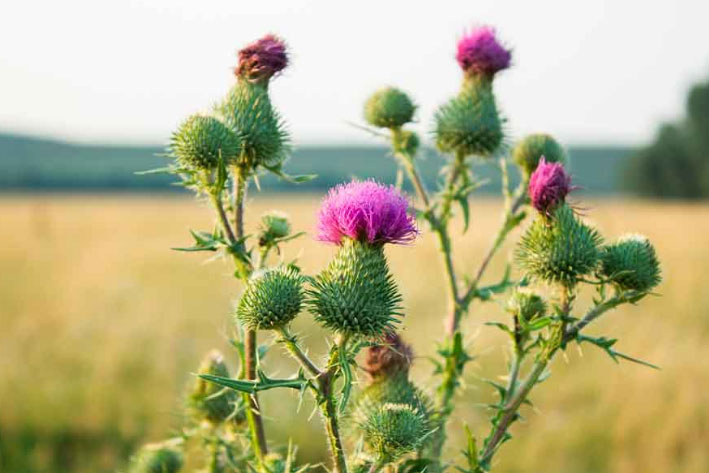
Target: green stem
[(292, 346), (329, 409)]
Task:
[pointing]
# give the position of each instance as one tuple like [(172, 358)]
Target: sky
[(588, 72)]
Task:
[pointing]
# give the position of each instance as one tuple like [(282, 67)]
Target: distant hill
[(34, 164)]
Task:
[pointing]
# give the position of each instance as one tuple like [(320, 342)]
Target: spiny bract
[(248, 111), (201, 141), (272, 299), (631, 263), (356, 294), (559, 248), (209, 401), (157, 458), (469, 124), (389, 108), (392, 430), (528, 152), (396, 389)]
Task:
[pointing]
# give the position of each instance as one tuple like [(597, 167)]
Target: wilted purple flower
[(366, 211), (262, 59), (479, 52), (388, 358), (548, 186)]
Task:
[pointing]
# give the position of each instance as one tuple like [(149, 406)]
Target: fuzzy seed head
[(272, 298), (393, 430), (389, 108), (480, 52), (392, 356), (366, 211), (549, 185), (530, 150), (262, 59), (527, 305), (209, 401), (631, 263), (157, 458), (559, 248), (201, 141), (469, 124), (356, 294)]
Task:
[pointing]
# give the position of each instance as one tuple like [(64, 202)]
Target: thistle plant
[(375, 416)]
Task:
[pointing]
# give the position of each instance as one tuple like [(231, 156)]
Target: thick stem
[(329, 409)]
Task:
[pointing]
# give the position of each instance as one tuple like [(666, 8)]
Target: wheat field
[(102, 325)]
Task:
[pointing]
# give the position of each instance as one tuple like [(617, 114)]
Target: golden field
[(101, 326)]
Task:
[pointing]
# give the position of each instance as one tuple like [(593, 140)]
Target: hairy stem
[(329, 409)]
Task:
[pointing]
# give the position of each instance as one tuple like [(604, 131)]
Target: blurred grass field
[(101, 326)]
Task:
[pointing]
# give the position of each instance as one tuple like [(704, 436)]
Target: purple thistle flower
[(366, 211), (479, 52), (262, 59), (548, 186)]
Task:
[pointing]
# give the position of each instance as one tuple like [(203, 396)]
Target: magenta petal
[(480, 52), (548, 185), (366, 211)]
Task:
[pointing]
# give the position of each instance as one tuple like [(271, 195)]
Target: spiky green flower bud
[(469, 124), (406, 142), (157, 458), (356, 294), (209, 401), (272, 298), (274, 225), (528, 152), (631, 263), (389, 108), (392, 430), (559, 248), (248, 112), (394, 389), (200, 141), (527, 305)]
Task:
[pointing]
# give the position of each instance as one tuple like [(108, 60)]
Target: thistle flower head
[(157, 458), (392, 356), (393, 430), (389, 108), (209, 401), (356, 294), (366, 211), (272, 298), (558, 249), (548, 186), (201, 141), (528, 152), (263, 58), (480, 52), (631, 263)]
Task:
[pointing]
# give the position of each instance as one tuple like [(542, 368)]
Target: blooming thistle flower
[(262, 59), (356, 294), (366, 211), (549, 186), (480, 53)]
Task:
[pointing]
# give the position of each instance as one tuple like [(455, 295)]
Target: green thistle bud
[(247, 110), (274, 225), (157, 458), (356, 293), (526, 305), (528, 152), (272, 298), (396, 389), (559, 249), (469, 124), (406, 142), (392, 430), (631, 263), (209, 401), (200, 141), (389, 108)]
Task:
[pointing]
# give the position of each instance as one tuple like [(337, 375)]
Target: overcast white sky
[(128, 70)]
